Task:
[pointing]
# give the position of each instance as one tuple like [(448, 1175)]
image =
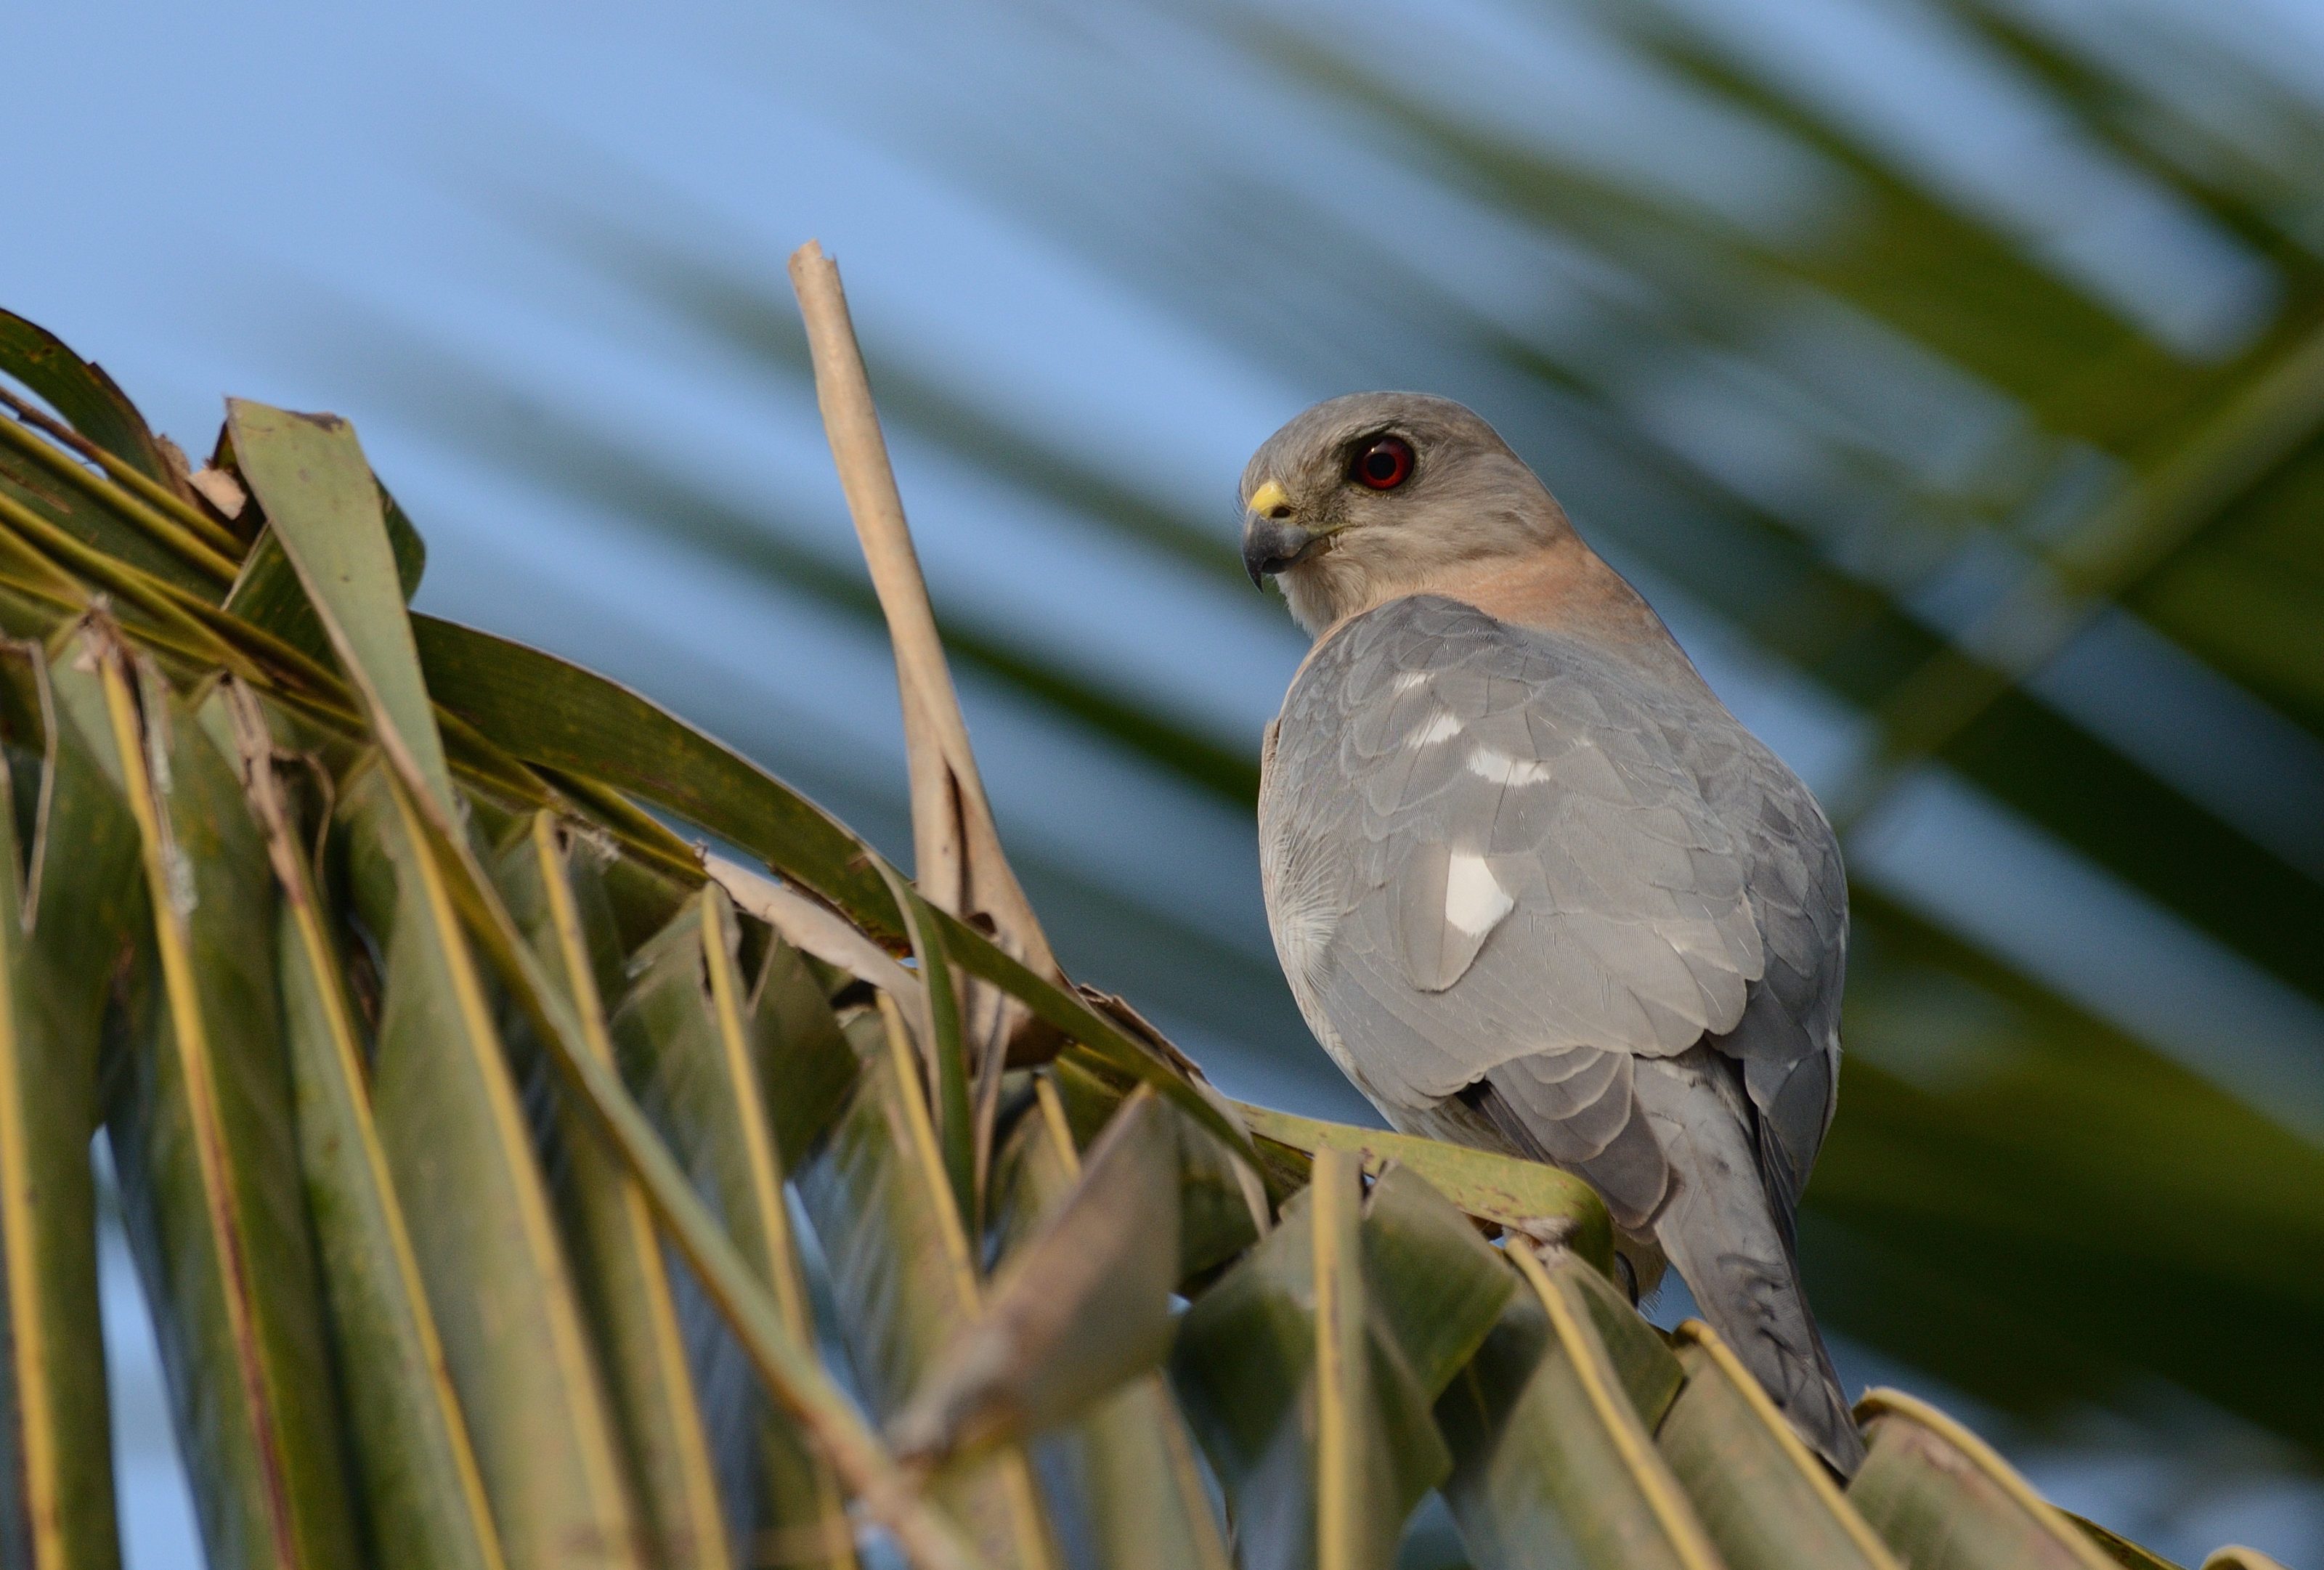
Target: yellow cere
[(1267, 497)]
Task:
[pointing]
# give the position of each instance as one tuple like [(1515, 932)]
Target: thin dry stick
[(957, 858)]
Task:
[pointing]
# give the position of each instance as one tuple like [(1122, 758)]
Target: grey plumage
[(1543, 890)]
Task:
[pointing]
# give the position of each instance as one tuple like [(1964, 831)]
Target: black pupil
[(1382, 464)]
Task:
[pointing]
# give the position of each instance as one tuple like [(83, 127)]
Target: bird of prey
[(1533, 887)]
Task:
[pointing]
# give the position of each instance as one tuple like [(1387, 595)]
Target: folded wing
[(1506, 856)]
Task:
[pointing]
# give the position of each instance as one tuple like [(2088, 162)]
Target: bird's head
[(1376, 494)]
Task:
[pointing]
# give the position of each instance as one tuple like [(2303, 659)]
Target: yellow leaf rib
[(1996, 1470), (1334, 1190), (566, 1343), (189, 1036), (1819, 1477), (1617, 1420), (27, 1328)]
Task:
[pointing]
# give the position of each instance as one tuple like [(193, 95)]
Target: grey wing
[(1788, 1040), (1499, 862)]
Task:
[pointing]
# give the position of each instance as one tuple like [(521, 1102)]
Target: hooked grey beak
[(1271, 544)]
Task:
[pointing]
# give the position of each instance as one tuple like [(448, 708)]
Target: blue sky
[(275, 200)]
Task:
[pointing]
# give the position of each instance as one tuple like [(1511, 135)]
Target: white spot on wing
[(1405, 681), (1442, 726), (1493, 765), (1474, 899)]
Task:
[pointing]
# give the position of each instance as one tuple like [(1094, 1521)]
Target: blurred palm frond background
[(1949, 372)]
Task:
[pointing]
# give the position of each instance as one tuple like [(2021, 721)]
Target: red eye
[(1385, 465)]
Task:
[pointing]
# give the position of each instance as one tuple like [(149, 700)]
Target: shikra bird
[(1535, 888)]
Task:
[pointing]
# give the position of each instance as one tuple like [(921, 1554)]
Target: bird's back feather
[(1522, 866)]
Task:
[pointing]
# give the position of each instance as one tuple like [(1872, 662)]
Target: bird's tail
[(1720, 1231)]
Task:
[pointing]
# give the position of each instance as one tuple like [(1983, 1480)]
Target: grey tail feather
[(1720, 1230)]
